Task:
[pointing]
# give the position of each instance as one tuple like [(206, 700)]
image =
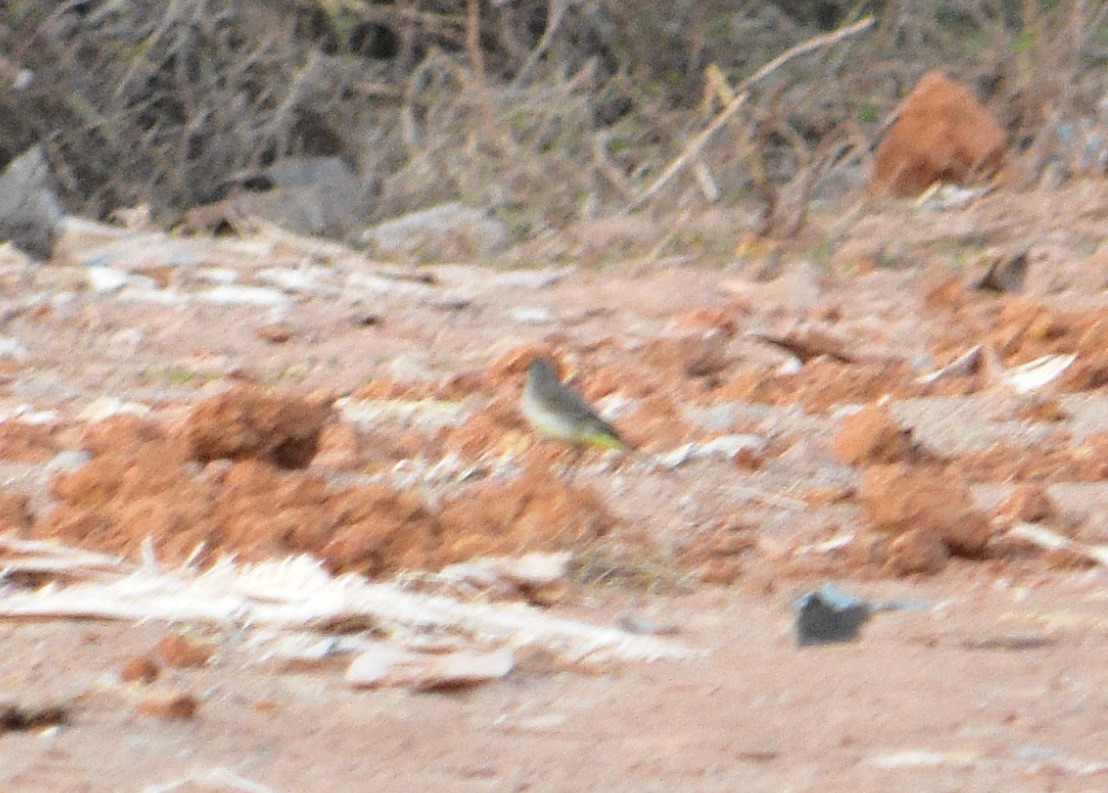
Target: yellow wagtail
[(559, 412)]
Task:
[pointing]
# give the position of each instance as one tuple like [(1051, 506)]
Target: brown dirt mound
[(144, 484), (248, 423), (926, 513)]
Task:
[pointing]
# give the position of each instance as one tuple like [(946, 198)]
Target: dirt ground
[(263, 397)]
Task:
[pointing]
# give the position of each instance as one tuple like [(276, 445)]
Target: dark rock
[(829, 615)]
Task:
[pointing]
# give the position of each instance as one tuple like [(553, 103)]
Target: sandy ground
[(992, 680)]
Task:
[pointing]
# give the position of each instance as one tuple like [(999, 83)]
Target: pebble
[(528, 279), (12, 348), (68, 461), (532, 315), (233, 295), (376, 286), (217, 275), (106, 407), (289, 280), (104, 280)]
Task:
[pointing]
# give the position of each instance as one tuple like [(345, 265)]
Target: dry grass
[(543, 112), (629, 565)]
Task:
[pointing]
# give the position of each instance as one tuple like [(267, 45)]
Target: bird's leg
[(578, 452)]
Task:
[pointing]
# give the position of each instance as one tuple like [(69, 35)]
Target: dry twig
[(694, 148)]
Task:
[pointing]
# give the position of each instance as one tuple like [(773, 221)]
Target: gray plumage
[(558, 411)]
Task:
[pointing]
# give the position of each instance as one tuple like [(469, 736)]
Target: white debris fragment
[(1048, 540), (427, 414), (725, 447), (231, 295), (106, 407), (68, 461), (531, 315), (389, 665), (1035, 374), (965, 364), (12, 348), (104, 280), (289, 280), (926, 758), (216, 275), (299, 593), (530, 571)]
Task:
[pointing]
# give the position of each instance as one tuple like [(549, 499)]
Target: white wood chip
[(299, 593)]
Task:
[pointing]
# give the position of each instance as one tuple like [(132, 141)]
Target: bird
[(559, 412)]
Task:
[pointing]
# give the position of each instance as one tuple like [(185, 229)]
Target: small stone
[(447, 231), (829, 615), (105, 407), (1029, 503), (1036, 409), (383, 665), (26, 442), (900, 498), (531, 315), (366, 319), (15, 512), (916, 551), (182, 652), (341, 448), (16, 717), (104, 280), (1005, 274), (721, 570), (289, 280), (217, 275), (12, 348), (170, 707), (142, 669), (872, 435), (528, 279), (710, 319), (274, 333), (692, 354)]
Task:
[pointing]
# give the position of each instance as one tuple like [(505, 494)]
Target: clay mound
[(822, 384), (143, 483), (943, 134), (248, 423), (29, 443), (873, 436), (927, 514)]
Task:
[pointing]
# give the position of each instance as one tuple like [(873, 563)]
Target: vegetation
[(541, 110)]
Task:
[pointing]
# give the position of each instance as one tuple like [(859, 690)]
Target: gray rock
[(311, 172), (829, 615), (445, 231), (320, 196), (29, 210)]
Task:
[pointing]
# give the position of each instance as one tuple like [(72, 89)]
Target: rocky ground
[(188, 399)]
